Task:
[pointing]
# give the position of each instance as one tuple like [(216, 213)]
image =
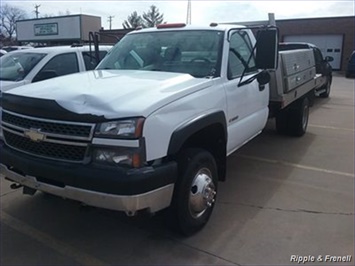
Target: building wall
[(53, 28), (89, 23), (322, 26), (112, 36), (57, 30)]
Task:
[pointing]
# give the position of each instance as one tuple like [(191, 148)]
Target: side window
[(59, 65), (318, 55), (90, 60), (239, 53)]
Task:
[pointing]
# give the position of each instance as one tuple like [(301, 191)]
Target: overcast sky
[(203, 12)]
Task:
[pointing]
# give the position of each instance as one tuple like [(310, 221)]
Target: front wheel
[(195, 191)]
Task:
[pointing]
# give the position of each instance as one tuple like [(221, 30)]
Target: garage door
[(330, 45)]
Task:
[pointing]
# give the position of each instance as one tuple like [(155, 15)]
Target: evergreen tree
[(133, 21), (152, 17)]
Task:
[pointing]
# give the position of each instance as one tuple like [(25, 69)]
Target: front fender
[(191, 127)]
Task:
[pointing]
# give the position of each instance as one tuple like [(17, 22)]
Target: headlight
[(118, 154), (127, 128)]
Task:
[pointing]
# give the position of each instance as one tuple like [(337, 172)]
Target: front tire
[(195, 191)]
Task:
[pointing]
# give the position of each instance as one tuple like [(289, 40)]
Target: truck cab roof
[(183, 26), (295, 45)]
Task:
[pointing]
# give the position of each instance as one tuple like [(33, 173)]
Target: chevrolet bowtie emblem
[(35, 134)]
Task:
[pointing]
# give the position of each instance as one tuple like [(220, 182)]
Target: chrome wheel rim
[(202, 193)]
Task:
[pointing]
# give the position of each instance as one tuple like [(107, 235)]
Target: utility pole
[(188, 15), (110, 20), (36, 11)]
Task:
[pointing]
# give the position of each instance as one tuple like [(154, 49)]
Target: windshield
[(193, 52), (15, 66)]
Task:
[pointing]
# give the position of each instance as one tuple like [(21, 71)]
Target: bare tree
[(152, 17), (47, 16), (66, 13), (8, 17), (133, 21), (60, 13)]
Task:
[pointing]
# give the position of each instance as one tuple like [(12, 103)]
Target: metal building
[(333, 35), (62, 30)]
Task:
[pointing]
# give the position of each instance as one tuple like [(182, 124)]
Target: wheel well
[(211, 138)]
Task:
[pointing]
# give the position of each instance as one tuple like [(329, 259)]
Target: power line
[(36, 11), (110, 20)]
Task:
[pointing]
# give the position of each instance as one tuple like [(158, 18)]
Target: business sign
[(46, 29), (72, 27)]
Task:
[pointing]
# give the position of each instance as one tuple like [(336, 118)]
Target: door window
[(90, 59), (59, 65), (318, 55), (239, 53), (319, 60)]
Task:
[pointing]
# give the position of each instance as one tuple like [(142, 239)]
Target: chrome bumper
[(153, 201)]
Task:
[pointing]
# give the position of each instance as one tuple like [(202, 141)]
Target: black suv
[(323, 67)]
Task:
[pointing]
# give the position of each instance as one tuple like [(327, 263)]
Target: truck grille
[(51, 139), (48, 127), (45, 149)]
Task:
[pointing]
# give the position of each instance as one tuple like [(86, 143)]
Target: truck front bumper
[(114, 188)]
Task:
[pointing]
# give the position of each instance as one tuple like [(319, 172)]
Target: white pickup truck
[(30, 65), (151, 127)]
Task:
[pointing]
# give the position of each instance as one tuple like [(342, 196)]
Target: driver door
[(247, 105)]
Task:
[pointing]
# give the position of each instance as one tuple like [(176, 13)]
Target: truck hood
[(114, 93), (6, 85)]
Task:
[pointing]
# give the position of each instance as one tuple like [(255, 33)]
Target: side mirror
[(263, 77), (267, 49), (329, 59)]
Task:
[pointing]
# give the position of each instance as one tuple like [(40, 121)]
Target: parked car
[(31, 65), (15, 48), (26, 66), (323, 68), (350, 69)]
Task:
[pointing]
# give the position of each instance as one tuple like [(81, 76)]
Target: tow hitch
[(26, 190), (15, 186)]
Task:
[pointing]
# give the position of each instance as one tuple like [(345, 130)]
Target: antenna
[(36, 11), (188, 15)]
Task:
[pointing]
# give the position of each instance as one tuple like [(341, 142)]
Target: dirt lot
[(285, 198)]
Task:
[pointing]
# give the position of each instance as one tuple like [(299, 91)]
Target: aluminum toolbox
[(296, 61), (298, 79), (294, 77)]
